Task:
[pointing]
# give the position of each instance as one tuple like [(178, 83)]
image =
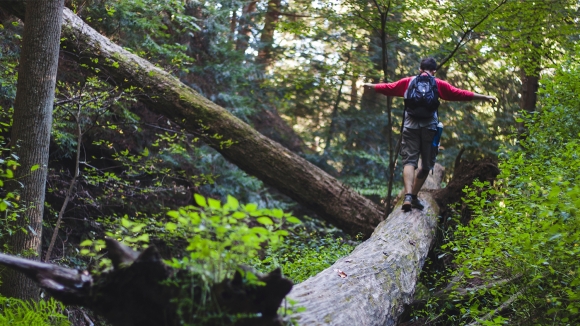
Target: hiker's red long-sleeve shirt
[(447, 91)]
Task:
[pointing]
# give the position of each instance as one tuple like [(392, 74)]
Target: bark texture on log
[(381, 273), (251, 151)]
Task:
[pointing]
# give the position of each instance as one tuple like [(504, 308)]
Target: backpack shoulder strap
[(412, 83)]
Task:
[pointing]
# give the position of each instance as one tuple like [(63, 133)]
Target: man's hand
[(369, 86), (491, 99), (487, 98)]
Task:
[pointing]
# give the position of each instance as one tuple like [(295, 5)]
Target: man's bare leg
[(418, 183), (412, 186), (408, 179)]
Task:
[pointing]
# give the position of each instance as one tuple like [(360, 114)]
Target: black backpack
[(422, 99)]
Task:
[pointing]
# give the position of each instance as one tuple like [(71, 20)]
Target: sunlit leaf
[(200, 200)]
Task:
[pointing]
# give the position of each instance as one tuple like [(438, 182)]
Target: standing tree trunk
[(530, 85), (267, 38), (245, 26), (31, 134)]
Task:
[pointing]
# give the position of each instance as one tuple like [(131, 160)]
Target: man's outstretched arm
[(397, 88), (482, 97)]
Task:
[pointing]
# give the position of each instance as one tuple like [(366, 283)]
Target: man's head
[(428, 64)]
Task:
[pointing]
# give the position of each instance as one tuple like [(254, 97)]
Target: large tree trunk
[(372, 285), (245, 26), (267, 37), (31, 134), (234, 139)]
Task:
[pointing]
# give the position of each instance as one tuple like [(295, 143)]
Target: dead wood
[(372, 285), (375, 284), (142, 290)]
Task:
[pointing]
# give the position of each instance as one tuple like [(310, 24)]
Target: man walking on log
[(421, 93)]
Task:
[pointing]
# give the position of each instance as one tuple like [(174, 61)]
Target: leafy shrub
[(310, 248), (41, 313), (518, 255)]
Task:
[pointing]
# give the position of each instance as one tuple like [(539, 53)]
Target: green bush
[(518, 256), (309, 249), (18, 312)]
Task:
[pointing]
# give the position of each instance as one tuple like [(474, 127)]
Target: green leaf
[(293, 220), (143, 237), (85, 243), (260, 230), (233, 203), (251, 207), (214, 203), (137, 228), (239, 215), (125, 222), (34, 167), (277, 213), (200, 200), (170, 226), (265, 220), (174, 214)]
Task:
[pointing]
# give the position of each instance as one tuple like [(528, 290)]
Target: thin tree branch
[(337, 102), (69, 192), (466, 33), (501, 308)]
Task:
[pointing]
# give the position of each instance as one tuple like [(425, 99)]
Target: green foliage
[(309, 249), (221, 237), (213, 239), (9, 207), (147, 27), (42, 313), (521, 247)]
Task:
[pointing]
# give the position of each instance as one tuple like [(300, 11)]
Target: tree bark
[(30, 136), (235, 140), (267, 37), (245, 26), (372, 285)]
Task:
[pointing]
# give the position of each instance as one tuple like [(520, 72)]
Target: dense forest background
[(294, 71)]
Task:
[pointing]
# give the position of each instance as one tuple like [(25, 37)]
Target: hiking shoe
[(407, 206), (416, 203)]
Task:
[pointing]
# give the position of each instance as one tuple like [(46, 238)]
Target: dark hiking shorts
[(418, 143)]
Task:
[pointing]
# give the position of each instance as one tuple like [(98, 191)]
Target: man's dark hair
[(428, 64)]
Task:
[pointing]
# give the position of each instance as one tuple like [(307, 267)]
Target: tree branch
[(501, 308), (466, 33)]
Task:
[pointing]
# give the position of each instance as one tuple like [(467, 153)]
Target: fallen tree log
[(235, 140), (375, 284), (372, 285), (134, 292)]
